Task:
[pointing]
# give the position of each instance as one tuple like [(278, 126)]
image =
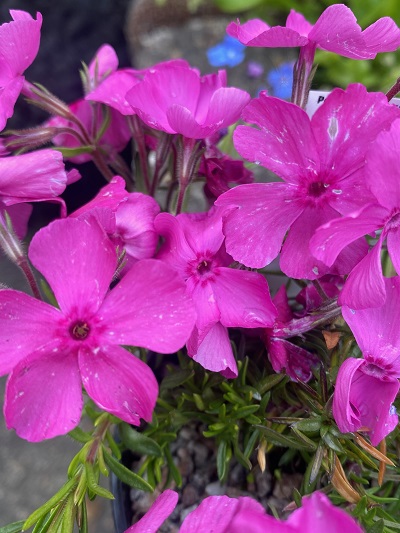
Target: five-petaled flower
[(50, 352)]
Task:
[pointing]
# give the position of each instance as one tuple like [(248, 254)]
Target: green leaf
[(54, 501), (333, 443), (243, 412), (125, 475), (79, 435), (176, 379), (222, 459), (139, 443), (83, 525), (378, 527), (15, 527), (172, 467), (68, 520), (283, 440), (308, 425), (270, 382), (303, 438), (93, 483), (316, 464)]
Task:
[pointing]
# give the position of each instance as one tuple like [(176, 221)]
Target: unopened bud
[(30, 138)]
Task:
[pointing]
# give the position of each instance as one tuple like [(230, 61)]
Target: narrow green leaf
[(270, 382), (284, 440), (308, 425), (176, 379), (82, 519), (251, 443), (67, 525), (137, 442), (94, 485), (222, 459), (377, 527), (126, 475), (316, 464), (303, 438), (333, 443), (15, 527), (172, 467), (55, 500), (243, 412), (80, 435)]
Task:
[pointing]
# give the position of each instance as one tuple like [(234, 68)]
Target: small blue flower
[(229, 52), (281, 81)]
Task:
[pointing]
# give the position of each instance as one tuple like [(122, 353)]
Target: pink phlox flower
[(112, 90), (176, 99), (320, 161), (222, 514), (336, 30), (365, 286), (112, 141), (224, 297), (222, 172), (33, 177), (19, 45), (366, 388), (102, 66), (51, 352), (285, 356), (127, 218), (117, 134)]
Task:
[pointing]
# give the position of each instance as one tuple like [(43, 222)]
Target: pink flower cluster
[(235, 515), (123, 274)]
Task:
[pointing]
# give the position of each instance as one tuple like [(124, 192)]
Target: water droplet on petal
[(315, 270), (337, 191)]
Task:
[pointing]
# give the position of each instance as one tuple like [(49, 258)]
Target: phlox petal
[(78, 261), (284, 142), (135, 225), (376, 329), (26, 324), (32, 176), (365, 286), (157, 514), (257, 33), (216, 513), (149, 307), (213, 351), (337, 30), (331, 238), (286, 357), (104, 63), (44, 395), (119, 383), (255, 208), (19, 41), (317, 513), (382, 36), (243, 299), (382, 173), (363, 399), (296, 260)]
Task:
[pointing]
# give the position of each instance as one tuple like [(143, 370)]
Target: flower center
[(317, 188), (203, 267), (79, 330)]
